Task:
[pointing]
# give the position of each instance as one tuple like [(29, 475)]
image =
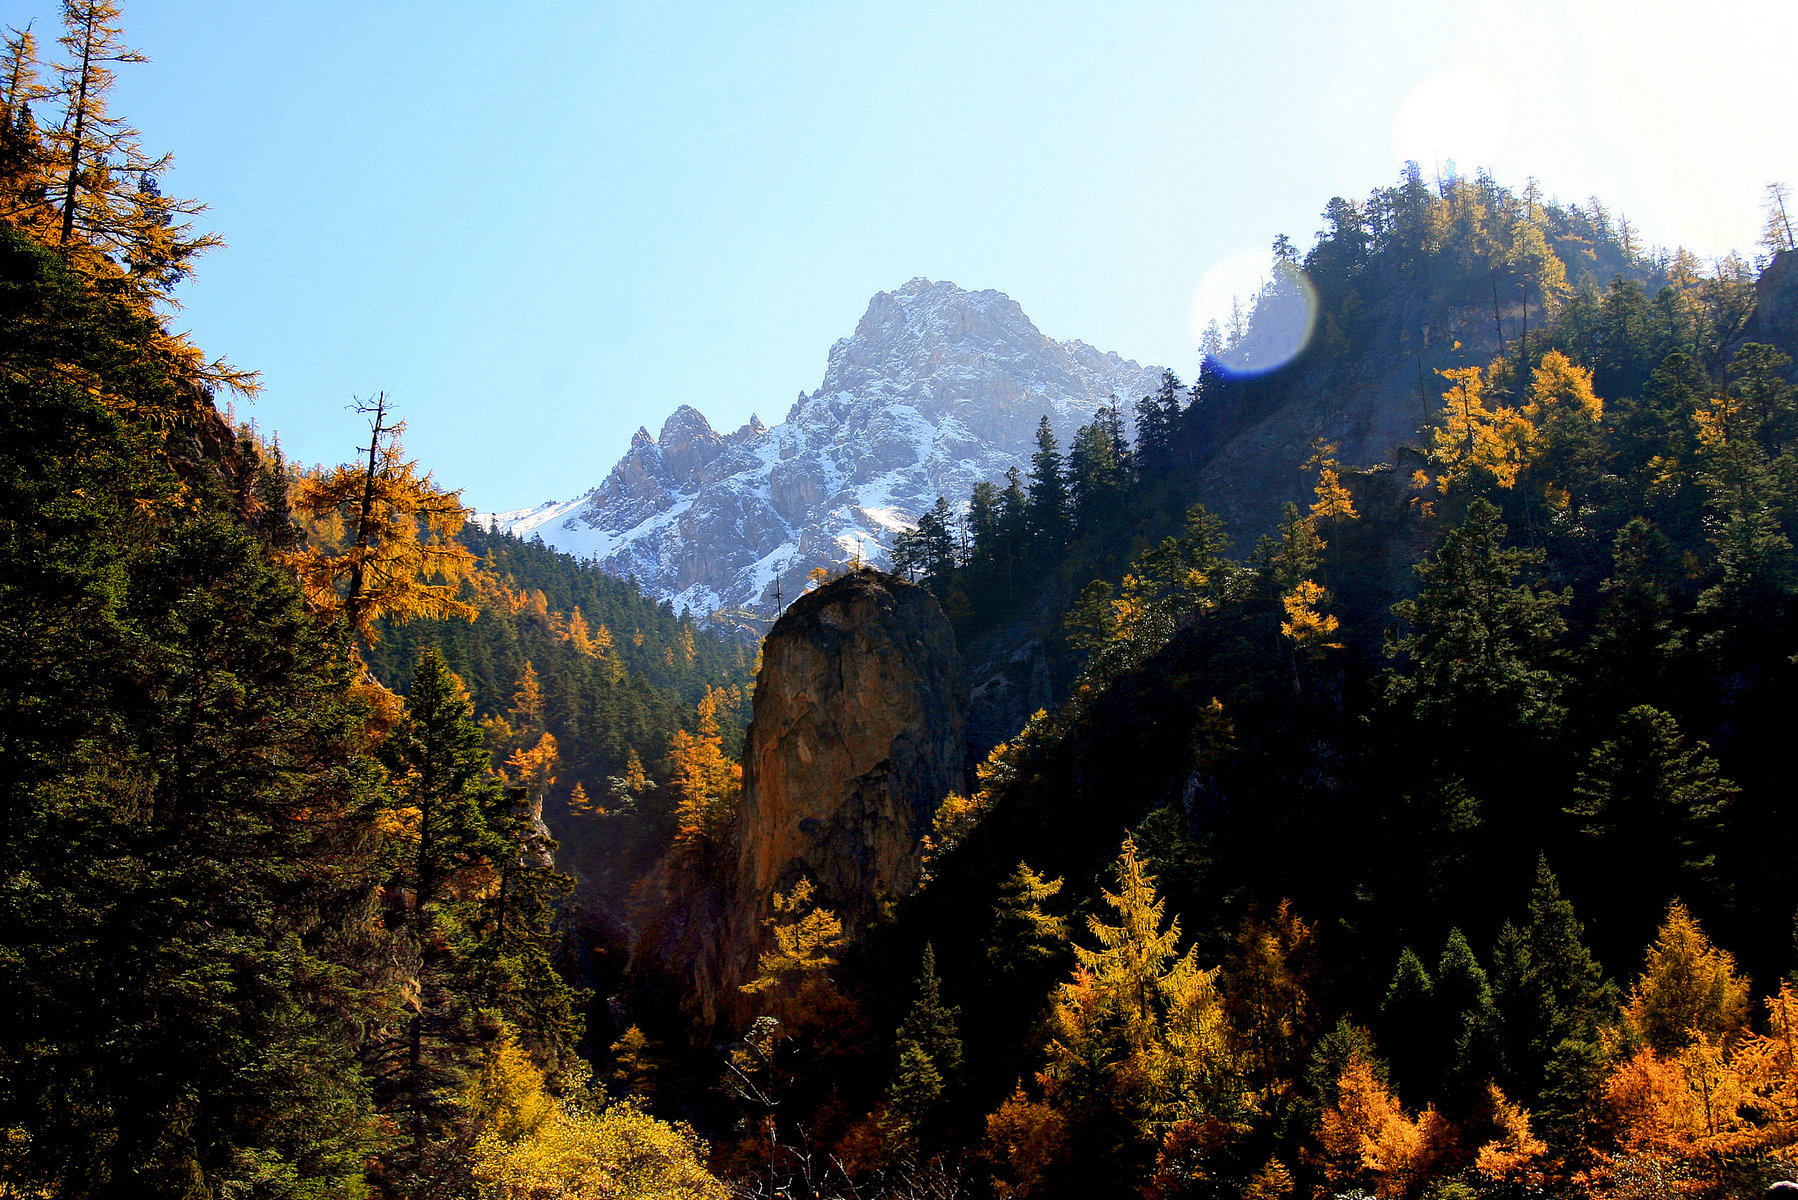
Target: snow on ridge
[(938, 388)]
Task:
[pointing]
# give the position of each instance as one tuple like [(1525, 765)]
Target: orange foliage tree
[(1368, 1140), (1690, 1107), (705, 780), (381, 538)]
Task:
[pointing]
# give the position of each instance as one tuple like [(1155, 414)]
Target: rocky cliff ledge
[(856, 738)]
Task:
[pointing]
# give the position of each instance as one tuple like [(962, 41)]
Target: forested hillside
[(266, 927), (558, 647), (1434, 842)]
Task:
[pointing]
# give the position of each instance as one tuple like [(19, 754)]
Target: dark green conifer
[(1047, 512), (1466, 1023), (1482, 646), (187, 851), (1407, 1028), (1654, 801), (1555, 1002), (929, 1054)]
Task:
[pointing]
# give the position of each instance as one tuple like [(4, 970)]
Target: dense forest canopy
[(1414, 825)]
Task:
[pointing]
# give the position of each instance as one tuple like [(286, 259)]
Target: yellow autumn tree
[(533, 769), (1693, 1108), (1769, 1064), (1564, 413), (530, 709), (1139, 1037), (1515, 1154), (25, 169), (706, 782), (1331, 500), (1369, 1140), (635, 780), (580, 638), (76, 178), (1268, 976), (521, 725), (536, 1147), (1680, 1119), (1474, 438), (1027, 1140), (606, 651), (1561, 390), (1272, 1182), (1307, 625), (396, 555), (807, 939), (1688, 989)]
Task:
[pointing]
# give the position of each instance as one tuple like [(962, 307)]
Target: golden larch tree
[(706, 782), (1368, 1138), (1475, 438), (1331, 500), (1688, 989), (396, 555), (807, 940)]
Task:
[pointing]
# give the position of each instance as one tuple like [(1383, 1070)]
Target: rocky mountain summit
[(937, 389)]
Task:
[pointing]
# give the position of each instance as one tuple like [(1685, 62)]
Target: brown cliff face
[(856, 738)]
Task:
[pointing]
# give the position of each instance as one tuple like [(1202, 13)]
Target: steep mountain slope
[(937, 389)]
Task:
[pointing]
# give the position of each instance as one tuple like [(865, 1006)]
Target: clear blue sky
[(540, 225)]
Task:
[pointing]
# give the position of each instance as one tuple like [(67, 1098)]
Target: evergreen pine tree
[(1466, 1022), (1095, 472), (984, 506), (1156, 419), (1481, 659), (445, 792), (929, 1054), (1407, 1030), (1047, 513), (1653, 800), (1555, 1002), (189, 856)]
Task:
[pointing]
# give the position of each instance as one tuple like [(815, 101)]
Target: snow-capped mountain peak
[(937, 389)]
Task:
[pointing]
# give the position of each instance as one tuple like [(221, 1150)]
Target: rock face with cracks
[(856, 738)]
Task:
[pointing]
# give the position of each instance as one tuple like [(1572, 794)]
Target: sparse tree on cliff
[(1778, 236), (807, 940)]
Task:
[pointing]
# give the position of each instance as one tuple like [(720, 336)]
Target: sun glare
[(1250, 316), (1461, 115), (1227, 291)]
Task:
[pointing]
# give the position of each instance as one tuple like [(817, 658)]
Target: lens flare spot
[(1250, 315), (1461, 116)]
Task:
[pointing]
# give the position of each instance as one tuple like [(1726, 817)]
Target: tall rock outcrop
[(856, 738)]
